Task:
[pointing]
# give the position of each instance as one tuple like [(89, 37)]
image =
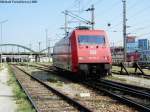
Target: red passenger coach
[(85, 52)]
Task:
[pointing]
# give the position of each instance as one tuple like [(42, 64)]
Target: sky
[(27, 22)]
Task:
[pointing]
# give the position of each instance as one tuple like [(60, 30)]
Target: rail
[(76, 104), (105, 85)]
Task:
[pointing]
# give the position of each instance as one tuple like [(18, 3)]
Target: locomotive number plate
[(93, 52)]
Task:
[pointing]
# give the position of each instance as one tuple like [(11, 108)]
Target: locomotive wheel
[(82, 75), (110, 72)]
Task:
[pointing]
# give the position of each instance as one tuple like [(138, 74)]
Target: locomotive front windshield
[(91, 39)]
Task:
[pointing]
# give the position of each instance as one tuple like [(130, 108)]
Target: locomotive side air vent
[(83, 28)]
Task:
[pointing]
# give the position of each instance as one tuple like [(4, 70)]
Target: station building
[(143, 44), (132, 47), (145, 55), (144, 49), (137, 50)]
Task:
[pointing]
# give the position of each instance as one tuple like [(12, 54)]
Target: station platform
[(7, 103)]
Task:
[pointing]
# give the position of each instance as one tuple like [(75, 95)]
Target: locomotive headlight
[(81, 58), (105, 57)]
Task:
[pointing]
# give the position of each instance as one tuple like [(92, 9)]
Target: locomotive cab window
[(91, 39)]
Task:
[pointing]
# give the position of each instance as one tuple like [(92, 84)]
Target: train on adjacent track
[(84, 52)]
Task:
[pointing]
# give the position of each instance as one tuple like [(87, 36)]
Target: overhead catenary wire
[(96, 3), (115, 15), (139, 23), (88, 4), (140, 28), (143, 34), (137, 29), (115, 23), (114, 5), (131, 19), (133, 5), (139, 12), (73, 5), (77, 17)]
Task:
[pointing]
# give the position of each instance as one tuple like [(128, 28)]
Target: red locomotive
[(133, 56), (85, 52)]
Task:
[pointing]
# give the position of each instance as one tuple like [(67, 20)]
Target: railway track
[(135, 75), (145, 67), (45, 98), (144, 89), (140, 92), (123, 92), (51, 69)]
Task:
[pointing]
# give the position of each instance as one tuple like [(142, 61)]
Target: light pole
[(46, 34), (49, 49), (92, 9), (39, 46), (124, 29), (1, 24)]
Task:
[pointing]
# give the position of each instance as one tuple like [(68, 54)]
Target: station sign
[(131, 39)]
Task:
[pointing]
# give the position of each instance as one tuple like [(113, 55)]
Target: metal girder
[(45, 49), (18, 46)]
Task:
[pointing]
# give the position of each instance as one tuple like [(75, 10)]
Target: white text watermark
[(18, 1)]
